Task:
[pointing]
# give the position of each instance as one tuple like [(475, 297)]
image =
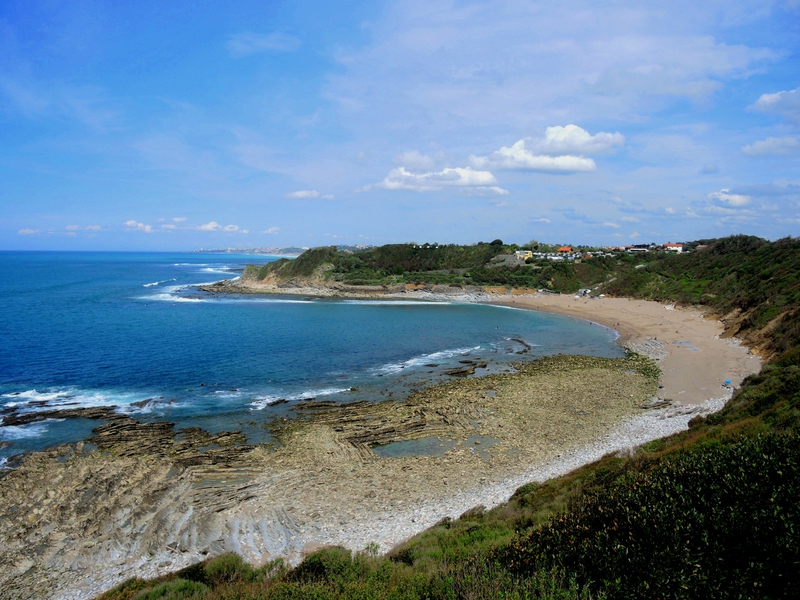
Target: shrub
[(716, 522)]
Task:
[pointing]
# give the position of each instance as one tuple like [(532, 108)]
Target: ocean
[(129, 330)]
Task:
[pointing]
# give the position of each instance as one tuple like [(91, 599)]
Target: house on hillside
[(673, 247), (523, 255), (565, 250)]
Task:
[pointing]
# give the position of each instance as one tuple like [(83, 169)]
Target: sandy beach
[(157, 512), (694, 357)]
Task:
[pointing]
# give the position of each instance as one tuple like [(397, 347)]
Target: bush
[(717, 522), (177, 589)]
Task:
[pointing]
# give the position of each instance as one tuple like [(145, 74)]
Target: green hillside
[(713, 512), (445, 264)]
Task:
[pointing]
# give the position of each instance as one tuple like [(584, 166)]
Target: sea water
[(130, 330)]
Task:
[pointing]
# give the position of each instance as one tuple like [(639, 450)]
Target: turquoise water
[(128, 330)]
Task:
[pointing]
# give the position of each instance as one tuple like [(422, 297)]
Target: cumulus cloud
[(210, 226), (610, 224), (27, 231), (785, 104), (93, 227), (169, 226), (560, 150), (773, 147), (245, 44), (73, 227), (179, 219), (572, 139), (629, 220), (328, 197), (303, 194), (133, 225), (724, 197), (519, 157), (271, 230), (540, 220), (231, 228), (465, 178)]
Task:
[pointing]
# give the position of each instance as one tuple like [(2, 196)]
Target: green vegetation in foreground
[(713, 512)]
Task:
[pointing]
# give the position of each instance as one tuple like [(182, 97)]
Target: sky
[(184, 125)]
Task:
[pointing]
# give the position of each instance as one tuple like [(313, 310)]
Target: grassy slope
[(450, 264), (710, 512)]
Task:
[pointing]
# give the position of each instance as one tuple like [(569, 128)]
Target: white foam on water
[(216, 270), (170, 294), (264, 401), (64, 398), (173, 298), (21, 432), (421, 360), (155, 283)]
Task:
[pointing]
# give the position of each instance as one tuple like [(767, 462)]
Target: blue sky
[(179, 125)]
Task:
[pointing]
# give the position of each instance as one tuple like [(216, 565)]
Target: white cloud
[(210, 226), (629, 219), (402, 179), (575, 140), (786, 104), (518, 157), (73, 227), (303, 194), (133, 225), (27, 231), (271, 230), (724, 197), (169, 226), (245, 44), (773, 146), (179, 219), (635, 235), (610, 224), (231, 228), (328, 197), (93, 227), (540, 220)]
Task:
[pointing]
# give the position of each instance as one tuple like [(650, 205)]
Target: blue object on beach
[(727, 382)]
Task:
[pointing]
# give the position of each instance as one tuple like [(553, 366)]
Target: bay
[(129, 330)]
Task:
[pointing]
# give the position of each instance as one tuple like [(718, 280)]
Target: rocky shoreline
[(311, 289), (143, 499)]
